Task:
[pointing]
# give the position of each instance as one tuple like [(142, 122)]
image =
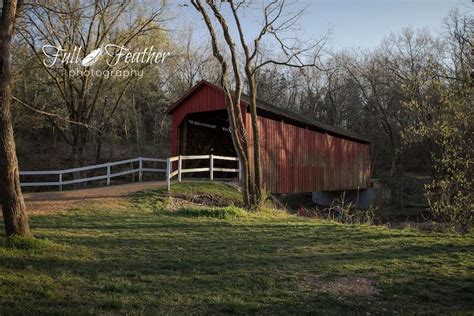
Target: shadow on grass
[(139, 261)]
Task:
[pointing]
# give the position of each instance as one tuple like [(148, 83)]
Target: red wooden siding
[(203, 99), (294, 159), (200, 100)]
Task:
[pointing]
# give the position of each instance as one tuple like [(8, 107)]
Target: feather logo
[(92, 57)]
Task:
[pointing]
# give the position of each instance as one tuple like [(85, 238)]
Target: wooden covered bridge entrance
[(298, 154)]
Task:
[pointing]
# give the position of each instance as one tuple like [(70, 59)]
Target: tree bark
[(256, 139), (237, 126), (251, 164), (11, 198)]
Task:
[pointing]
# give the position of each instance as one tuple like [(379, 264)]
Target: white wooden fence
[(170, 173), (211, 169)]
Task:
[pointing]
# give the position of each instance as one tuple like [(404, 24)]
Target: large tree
[(11, 198), (276, 22)]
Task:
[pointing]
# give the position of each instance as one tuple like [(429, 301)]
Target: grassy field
[(150, 254)]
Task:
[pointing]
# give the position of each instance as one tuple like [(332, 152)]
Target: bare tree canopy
[(87, 103), (249, 55)]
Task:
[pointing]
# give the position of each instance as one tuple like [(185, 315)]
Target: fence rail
[(170, 173)]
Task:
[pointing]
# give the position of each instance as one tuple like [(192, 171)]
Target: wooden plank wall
[(296, 159)]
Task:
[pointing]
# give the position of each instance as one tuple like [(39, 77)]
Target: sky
[(356, 23), (364, 23)]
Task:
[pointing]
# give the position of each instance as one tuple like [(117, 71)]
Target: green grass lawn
[(135, 256)]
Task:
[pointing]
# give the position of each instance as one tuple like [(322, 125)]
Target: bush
[(346, 214), (450, 205), (215, 212), (447, 125)]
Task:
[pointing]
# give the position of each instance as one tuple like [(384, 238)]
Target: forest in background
[(411, 96)]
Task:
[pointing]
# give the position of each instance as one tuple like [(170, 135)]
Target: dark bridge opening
[(206, 133)]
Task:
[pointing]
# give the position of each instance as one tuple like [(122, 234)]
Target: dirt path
[(45, 202), (94, 193)]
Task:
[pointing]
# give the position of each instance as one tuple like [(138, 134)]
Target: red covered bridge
[(298, 154)]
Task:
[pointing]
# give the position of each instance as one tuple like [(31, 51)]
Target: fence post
[(168, 174), (60, 181), (108, 173), (140, 171), (180, 165), (211, 166)]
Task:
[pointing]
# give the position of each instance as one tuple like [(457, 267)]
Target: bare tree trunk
[(256, 139), (98, 150), (251, 165), (138, 125), (237, 126), (79, 138), (79, 152), (11, 198), (239, 140)]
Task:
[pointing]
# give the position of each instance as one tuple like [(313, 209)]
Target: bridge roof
[(266, 109)]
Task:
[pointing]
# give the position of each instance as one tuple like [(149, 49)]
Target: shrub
[(215, 212), (447, 125), (450, 205)]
